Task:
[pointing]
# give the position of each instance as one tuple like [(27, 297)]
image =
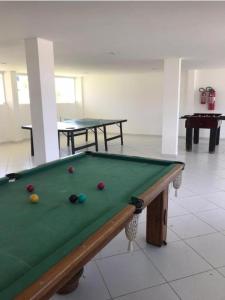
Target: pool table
[(45, 245)]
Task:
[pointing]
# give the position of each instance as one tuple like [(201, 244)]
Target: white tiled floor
[(192, 265)]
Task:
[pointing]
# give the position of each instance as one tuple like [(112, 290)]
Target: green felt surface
[(87, 122), (33, 237)]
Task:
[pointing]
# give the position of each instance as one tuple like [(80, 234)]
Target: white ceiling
[(112, 36)]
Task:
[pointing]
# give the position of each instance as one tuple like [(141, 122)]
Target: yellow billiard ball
[(34, 198)]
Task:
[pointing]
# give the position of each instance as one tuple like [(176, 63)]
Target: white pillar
[(191, 91), (40, 67), (171, 101), (12, 101)]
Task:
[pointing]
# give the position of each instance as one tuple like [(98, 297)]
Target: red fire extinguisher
[(211, 99), (203, 96)]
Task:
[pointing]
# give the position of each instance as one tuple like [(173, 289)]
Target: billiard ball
[(73, 198), (30, 188), (34, 198), (71, 169), (101, 185), (82, 198)]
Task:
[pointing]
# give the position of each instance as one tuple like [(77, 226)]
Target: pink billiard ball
[(30, 188), (101, 185), (71, 169)]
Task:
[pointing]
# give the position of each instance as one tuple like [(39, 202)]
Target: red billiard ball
[(71, 169), (30, 188), (101, 185)]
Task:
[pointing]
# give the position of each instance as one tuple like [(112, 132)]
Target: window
[(23, 89), (2, 90), (65, 89)]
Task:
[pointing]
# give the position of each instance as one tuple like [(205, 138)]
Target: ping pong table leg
[(31, 142), (86, 135), (121, 133), (59, 139), (72, 142), (68, 138), (96, 139), (105, 138)]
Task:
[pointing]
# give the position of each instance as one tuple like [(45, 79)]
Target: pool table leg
[(72, 284), (156, 226)]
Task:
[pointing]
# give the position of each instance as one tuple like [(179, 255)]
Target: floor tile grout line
[(220, 271), (166, 281), (140, 290), (197, 216), (199, 254), (121, 253), (183, 277), (193, 237), (139, 250), (218, 230), (103, 279)]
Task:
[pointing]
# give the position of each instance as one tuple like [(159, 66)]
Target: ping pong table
[(76, 127)]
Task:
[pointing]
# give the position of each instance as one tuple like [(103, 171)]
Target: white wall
[(4, 123), (69, 111), (136, 97)]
